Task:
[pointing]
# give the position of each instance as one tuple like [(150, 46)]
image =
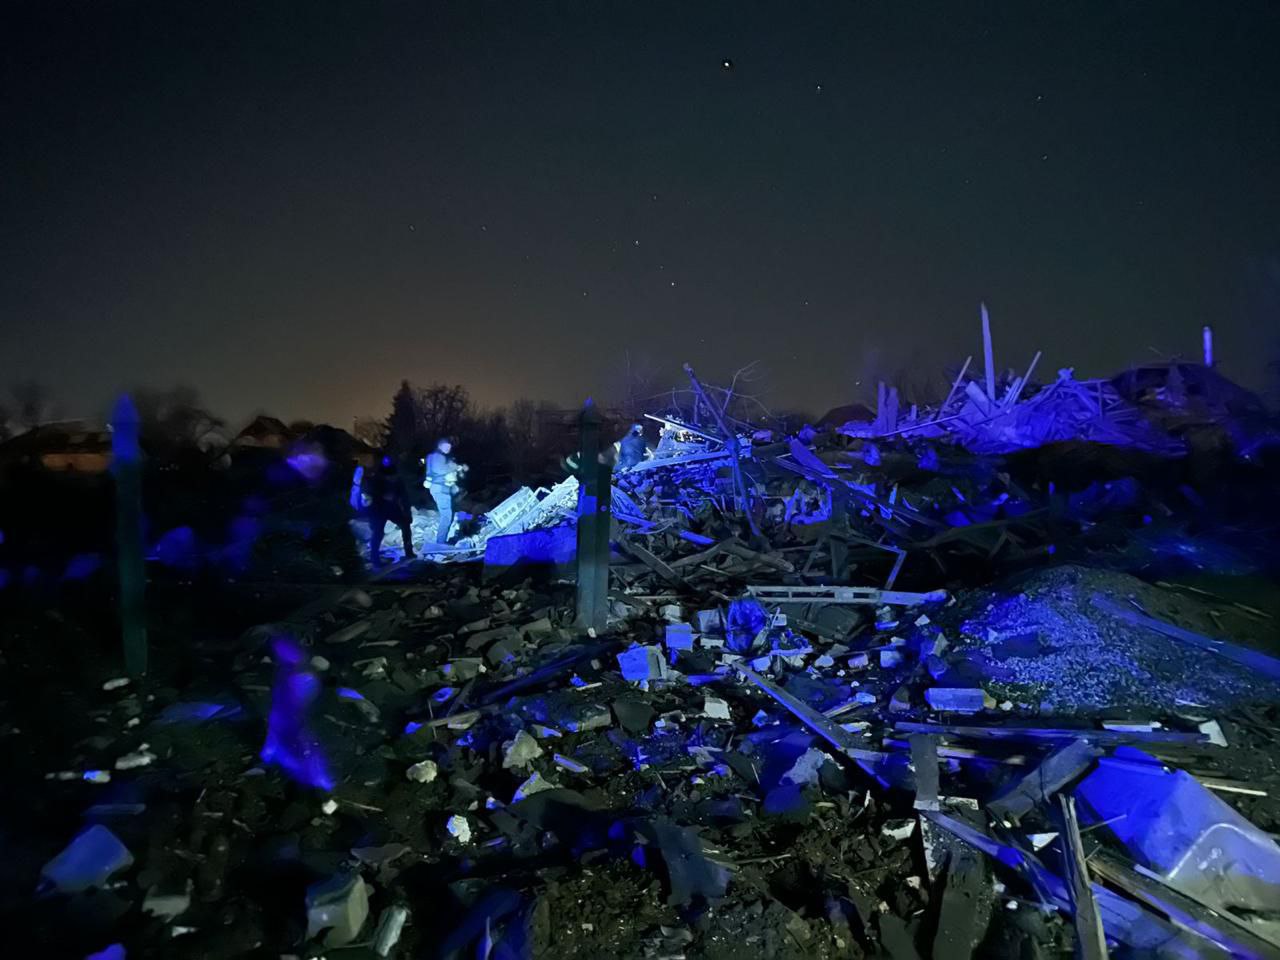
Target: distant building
[(72, 446), (264, 433)]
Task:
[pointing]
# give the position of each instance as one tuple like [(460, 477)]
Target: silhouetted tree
[(522, 438), (370, 431), (403, 433), (174, 421), (443, 410)]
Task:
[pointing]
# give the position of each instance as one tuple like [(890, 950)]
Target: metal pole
[(126, 464), (594, 495)]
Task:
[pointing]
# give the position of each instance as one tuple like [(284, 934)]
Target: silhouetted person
[(388, 500), (632, 448)]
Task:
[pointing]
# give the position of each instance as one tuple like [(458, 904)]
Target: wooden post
[(743, 502), (595, 490), (126, 464), (988, 354)]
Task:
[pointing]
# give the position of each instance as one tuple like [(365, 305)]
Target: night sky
[(293, 206)]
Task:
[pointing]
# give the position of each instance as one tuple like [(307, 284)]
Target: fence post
[(126, 464), (595, 493)]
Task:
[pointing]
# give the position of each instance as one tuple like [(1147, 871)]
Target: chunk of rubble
[(535, 784), (90, 860), (520, 751), (955, 699), (639, 664), (423, 772), (338, 907), (459, 828)]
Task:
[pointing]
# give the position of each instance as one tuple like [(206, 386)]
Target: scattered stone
[(520, 751), (459, 827), (337, 907), (716, 709), (91, 859), (422, 772)]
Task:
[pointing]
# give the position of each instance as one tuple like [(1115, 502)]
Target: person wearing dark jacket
[(388, 501), (632, 448)]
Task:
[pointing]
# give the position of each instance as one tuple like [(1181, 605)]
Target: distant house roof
[(338, 443), (64, 445), (263, 431)]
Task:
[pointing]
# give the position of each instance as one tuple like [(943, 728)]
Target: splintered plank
[(654, 563), (1091, 942)]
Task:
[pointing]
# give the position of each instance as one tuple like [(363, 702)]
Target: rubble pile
[(864, 692), (452, 767)]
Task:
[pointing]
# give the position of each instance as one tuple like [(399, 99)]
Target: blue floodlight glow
[(290, 743)]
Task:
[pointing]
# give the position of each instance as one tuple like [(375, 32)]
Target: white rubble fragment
[(805, 769), (1213, 730), (141, 757), (423, 772), (167, 906), (339, 905), (535, 784), (116, 684), (716, 709), (899, 829), (329, 807), (520, 751), (390, 927), (319, 663), (96, 776), (1041, 840), (459, 827)]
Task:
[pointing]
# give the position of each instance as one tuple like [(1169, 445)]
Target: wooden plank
[(958, 914), (654, 563), (988, 355), (1260, 662), (1048, 733), (1091, 942), (924, 758), (830, 731)]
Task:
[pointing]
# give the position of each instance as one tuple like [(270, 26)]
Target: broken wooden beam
[(653, 562), (924, 758), (830, 731), (869, 595), (974, 732), (1091, 942)]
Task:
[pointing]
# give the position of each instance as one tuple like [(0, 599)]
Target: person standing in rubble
[(443, 473), (388, 500), (632, 448)]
